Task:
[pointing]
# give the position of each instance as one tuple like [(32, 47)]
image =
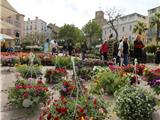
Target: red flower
[(26, 94), (63, 110), (40, 82), (58, 110), (95, 102), (62, 97), (49, 116), (56, 118), (19, 87), (65, 83), (81, 110)]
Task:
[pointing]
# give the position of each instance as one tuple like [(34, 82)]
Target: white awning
[(6, 9), (5, 37)]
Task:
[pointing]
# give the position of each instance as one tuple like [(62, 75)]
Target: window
[(30, 27), (35, 27), (17, 17), (130, 28), (130, 38), (123, 29)]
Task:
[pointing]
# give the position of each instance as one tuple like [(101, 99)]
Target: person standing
[(125, 51), (157, 56), (138, 47), (83, 50), (104, 50), (120, 52), (54, 48), (70, 48)]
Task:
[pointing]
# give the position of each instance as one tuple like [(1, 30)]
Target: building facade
[(152, 31), (99, 18), (35, 26), (124, 26)]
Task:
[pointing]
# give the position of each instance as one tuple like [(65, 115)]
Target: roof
[(154, 8), (132, 15), (6, 9)]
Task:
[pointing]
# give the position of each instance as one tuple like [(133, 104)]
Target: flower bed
[(55, 75), (64, 109), (27, 93), (9, 60)]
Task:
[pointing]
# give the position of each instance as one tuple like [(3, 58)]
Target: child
[(157, 56)]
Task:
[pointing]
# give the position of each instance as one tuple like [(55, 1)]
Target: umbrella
[(6, 9)]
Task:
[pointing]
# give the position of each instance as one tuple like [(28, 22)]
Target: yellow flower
[(82, 118)]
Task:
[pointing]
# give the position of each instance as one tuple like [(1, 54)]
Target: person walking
[(125, 51), (138, 47), (104, 51), (83, 50), (120, 52)]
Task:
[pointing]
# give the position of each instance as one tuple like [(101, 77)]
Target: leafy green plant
[(134, 103), (29, 71), (108, 82), (63, 62)]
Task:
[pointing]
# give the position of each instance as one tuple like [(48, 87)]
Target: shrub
[(27, 93), (29, 71), (134, 104), (108, 82)]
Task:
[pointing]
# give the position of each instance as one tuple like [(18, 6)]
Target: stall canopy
[(5, 37), (6, 9)]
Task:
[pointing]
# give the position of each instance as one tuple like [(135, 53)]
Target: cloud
[(77, 12)]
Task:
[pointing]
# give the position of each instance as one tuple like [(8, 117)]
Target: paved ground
[(8, 113)]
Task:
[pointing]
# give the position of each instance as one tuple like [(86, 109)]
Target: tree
[(70, 32), (155, 21), (140, 28), (113, 17), (93, 31)]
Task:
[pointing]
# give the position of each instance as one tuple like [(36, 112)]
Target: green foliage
[(151, 48), (63, 62), (29, 71), (155, 21), (108, 82), (134, 103), (93, 32), (140, 28), (70, 32)]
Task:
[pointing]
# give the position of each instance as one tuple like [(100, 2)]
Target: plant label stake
[(31, 59), (135, 73)]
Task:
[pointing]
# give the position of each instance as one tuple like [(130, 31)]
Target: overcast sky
[(77, 12)]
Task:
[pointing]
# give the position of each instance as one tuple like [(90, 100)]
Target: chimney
[(28, 19), (36, 18)]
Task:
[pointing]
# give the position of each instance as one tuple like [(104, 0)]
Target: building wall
[(124, 26), (99, 18), (18, 22), (35, 26)]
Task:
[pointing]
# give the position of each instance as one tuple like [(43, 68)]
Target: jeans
[(125, 59)]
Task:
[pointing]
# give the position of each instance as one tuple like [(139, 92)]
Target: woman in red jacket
[(104, 50)]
